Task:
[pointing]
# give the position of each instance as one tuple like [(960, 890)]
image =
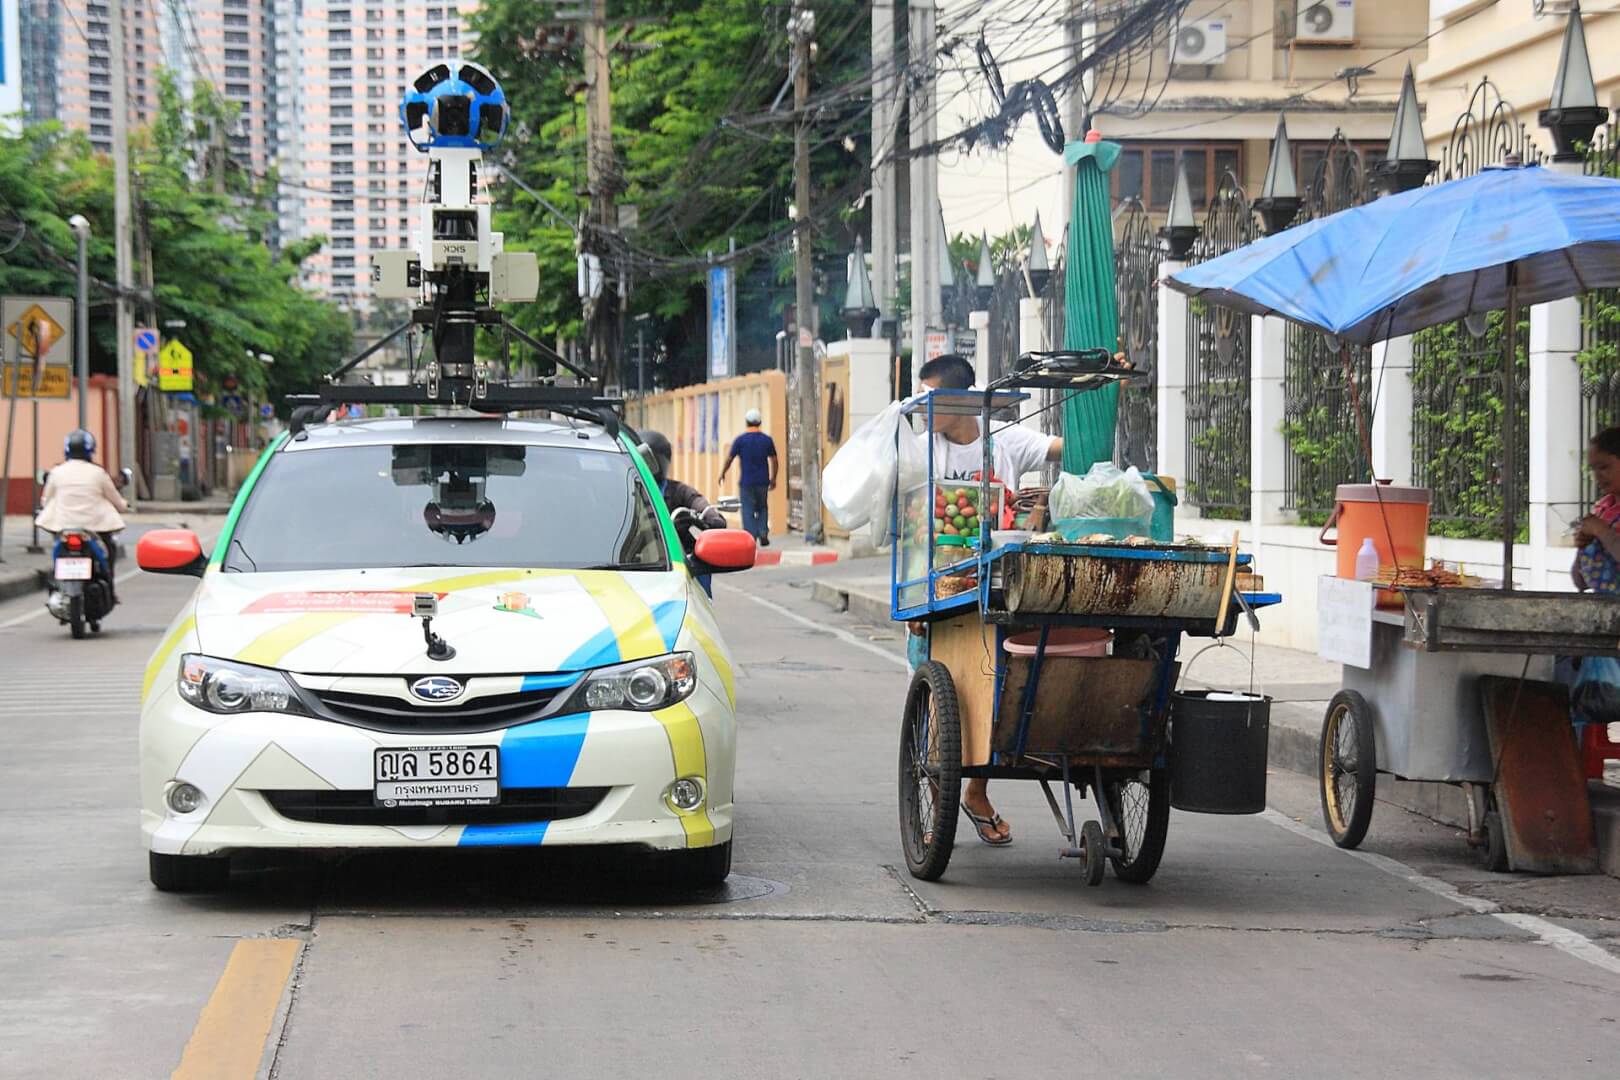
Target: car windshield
[(447, 504)]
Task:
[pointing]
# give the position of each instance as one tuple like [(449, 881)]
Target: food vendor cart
[(1008, 692)]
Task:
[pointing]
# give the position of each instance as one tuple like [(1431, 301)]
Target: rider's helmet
[(79, 445), (660, 452)]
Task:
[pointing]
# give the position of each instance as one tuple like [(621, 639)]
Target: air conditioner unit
[(1325, 22), (1199, 41)]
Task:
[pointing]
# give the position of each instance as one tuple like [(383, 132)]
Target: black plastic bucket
[(1218, 753)]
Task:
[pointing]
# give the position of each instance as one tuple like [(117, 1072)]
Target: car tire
[(188, 873), (702, 866)]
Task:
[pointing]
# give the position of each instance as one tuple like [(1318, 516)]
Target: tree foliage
[(211, 266), (696, 151)]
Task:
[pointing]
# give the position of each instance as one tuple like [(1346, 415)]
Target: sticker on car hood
[(374, 602)]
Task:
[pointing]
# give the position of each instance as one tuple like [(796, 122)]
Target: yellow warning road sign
[(36, 332), (55, 381), (174, 367)]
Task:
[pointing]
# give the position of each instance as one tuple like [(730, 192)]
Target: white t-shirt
[(1016, 450)]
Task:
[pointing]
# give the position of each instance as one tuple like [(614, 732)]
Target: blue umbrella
[(1428, 256), (1498, 239)]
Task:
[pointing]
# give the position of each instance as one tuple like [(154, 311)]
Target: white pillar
[(1556, 453), (1268, 447), (1391, 399), (979, 323), (869, 364), (1032, 338), (886, 67), (926, 306), (1172, 389)]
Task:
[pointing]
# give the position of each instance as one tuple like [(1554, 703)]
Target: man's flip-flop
[(988, 828)]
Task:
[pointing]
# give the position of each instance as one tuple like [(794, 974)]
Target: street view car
[(446, 631)]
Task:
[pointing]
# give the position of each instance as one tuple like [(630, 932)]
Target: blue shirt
[(754, 449)]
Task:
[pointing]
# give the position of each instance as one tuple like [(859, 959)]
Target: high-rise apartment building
[(317, 84)]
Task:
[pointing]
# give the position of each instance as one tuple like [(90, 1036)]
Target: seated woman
[(1597, 540)]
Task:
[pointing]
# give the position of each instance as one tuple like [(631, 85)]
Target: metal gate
[(1136, 287), (1218, 447), (1321, 432), (1457, 400)]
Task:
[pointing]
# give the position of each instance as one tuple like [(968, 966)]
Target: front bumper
[(608, 771)]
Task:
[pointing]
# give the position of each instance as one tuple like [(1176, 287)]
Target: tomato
[(948, 529), (970, 511), (961, 493)]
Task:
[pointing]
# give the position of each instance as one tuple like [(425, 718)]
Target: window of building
[(340, 54), (232, 89), (236, 20), (342, 168), (452, 51), (343, 224), (435, 33), (436, 53), (100, 114), (100, 62), (239, 56), (377, 148), (343, 187), (103, 130), (374, 16), (1308, 158), (376, 110), (235, 37), (1147, 171), (343, 281), (375, 54), (377, 187), (101, 95), (238, 73), (345, 243), (343, 149), (338, 16), (376, 167), (435, 13), (342, 129), (342, 74), (378, 224), (374, 33), (375, 73), (343, 204), (100, 78), (342, 112), (339, 36), (452, 32)]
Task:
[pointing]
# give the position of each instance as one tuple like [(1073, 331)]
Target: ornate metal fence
[(1324, 441), (1599, 357), (1053, 299), (1218, 446), (1457, 409), (1136, 270), (1002, 340)]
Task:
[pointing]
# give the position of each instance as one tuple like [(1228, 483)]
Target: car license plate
[(72, 569), (437, 776)]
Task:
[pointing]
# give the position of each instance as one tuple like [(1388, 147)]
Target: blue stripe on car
[(548, 682), (541, 754), (602, 649), (515, 835), (668, 616)]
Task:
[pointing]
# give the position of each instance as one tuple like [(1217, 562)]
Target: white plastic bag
[(858, 484), (1104, 492)]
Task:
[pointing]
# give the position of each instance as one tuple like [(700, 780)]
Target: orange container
[(1383, 512)]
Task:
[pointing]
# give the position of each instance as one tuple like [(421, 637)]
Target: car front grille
[(358, 807), (383, 713)]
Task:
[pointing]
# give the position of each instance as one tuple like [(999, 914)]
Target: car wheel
[(702, 866), (188, 873)]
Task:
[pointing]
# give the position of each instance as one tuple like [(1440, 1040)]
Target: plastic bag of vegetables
[(1105, 500)]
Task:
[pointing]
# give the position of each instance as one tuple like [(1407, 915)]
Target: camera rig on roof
[(458, 270)]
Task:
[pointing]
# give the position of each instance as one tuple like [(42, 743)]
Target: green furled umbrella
[(1090, 309)]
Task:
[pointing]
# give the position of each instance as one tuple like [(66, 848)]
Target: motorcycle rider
[(698, 513), (80, 495)]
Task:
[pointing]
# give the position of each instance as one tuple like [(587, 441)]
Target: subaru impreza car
[(443, 631)]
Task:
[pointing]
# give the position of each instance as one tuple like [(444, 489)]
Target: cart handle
[(1333, 519)]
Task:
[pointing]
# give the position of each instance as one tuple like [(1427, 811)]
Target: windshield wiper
[(623, 566), (237, 544)]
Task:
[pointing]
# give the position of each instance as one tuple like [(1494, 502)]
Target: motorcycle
[(80, 591)]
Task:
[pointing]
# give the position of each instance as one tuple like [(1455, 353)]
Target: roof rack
[(579, 402)]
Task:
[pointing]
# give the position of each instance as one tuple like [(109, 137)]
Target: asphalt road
[(1258, 949)]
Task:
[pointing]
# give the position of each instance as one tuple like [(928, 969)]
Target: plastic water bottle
[(1366, 560)]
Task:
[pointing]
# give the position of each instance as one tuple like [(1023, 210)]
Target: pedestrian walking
[(757, 479)]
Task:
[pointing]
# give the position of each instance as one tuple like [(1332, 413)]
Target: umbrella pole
[(1510, 417)]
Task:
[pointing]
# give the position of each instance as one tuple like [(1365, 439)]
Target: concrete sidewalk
[(1300, 685)]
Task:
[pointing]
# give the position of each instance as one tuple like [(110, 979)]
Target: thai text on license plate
[(73, 569), (437, 776)]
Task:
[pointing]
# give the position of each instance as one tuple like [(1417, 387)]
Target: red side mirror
[(171, 551), (724, 550)]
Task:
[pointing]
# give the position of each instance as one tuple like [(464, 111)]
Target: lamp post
[(1180, 231), (1279, 199), (860, 302), (1406, 163), (1573, 113), (81, 230), (1036, 265)]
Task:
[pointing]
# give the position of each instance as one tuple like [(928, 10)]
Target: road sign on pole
[(38, 341), (174, 367), (147, 341)]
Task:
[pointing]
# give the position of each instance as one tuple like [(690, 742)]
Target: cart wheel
[(1140, 804), (1348, 768), (1093, 851), (930, 772), (1493, 851)]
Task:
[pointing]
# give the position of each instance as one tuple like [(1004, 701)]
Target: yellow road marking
[(159, 658), (229, 1038)]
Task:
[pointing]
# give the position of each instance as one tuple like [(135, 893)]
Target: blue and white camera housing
[(459, 265)]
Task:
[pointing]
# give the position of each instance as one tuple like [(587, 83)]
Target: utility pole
[(216, 154), (802, 29), (121, 243), (600, 177), (885, 131), (927, 308)]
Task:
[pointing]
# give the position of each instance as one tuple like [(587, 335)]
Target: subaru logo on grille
[(436, 688)]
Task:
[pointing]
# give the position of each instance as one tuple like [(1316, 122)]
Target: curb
[(17, 583), (795, 557)]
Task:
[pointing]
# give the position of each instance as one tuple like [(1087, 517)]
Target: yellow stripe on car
[(686, 744), (155, 667), (717, 656)]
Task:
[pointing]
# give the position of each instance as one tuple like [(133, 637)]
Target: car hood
[(343, 622)]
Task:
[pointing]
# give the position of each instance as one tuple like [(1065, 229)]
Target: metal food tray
[(1495, 620), (1149, 581)]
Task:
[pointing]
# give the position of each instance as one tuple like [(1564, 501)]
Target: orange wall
[(700, 421), (57, 418)]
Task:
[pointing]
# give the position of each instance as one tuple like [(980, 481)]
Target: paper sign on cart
[(1344, 617)]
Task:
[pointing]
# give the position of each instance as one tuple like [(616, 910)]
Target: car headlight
[(225, 686), (642, 686)]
